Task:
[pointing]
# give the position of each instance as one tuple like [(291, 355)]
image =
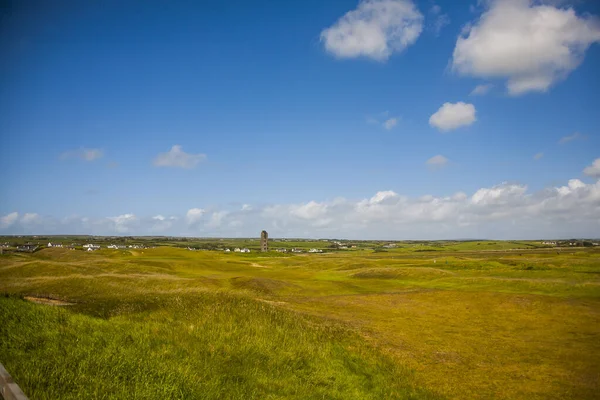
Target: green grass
[(201, 346), (456, 322)]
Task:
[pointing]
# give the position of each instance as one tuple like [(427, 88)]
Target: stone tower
[(264, 241)]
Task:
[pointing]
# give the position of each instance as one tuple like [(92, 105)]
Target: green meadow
[(431, 320)]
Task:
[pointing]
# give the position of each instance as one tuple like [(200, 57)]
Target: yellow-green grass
[(166, 322), (192, 346)]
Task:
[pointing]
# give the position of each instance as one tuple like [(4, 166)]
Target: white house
[(116, 246), (237, 250), (227, 251), (315, 251), (50, 244), (244, 250), (91, 246)]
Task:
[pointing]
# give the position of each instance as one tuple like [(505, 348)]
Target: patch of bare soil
[(257, 265), (275, 303), (50, 302)]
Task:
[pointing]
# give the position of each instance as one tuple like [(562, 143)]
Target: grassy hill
[(456, 322)]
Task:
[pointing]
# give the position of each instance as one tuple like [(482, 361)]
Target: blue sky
[(325, 119)]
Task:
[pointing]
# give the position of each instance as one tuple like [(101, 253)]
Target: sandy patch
[(257, 265), (50, 302), (275, 303)]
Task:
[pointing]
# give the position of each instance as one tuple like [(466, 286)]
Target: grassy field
[(455, 320)]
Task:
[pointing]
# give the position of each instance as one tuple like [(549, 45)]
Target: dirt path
[(257, 265), (50, 302), (272, 302)]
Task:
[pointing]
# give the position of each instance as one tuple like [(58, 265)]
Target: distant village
[(32, 247), (329, 245), (280, 250), (264, 246), (212, 244)]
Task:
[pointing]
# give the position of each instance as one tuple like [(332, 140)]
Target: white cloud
[(246, 207), (439, 20), (532, 45), (384, 120), (480, 90), (313, 213), (390, 123), (178, 158), (373, 209), (594, 169), (159, 224), (123, 223), (459, 196), (8, 220), (453, 115), (504, 211), (194, 215), (538, 156), (216, 219), (498, 195), (30, 218), (375, 29), (381, 197), (83, 154), (572, 186), (570, 138), (310, 210), (438, 161)]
